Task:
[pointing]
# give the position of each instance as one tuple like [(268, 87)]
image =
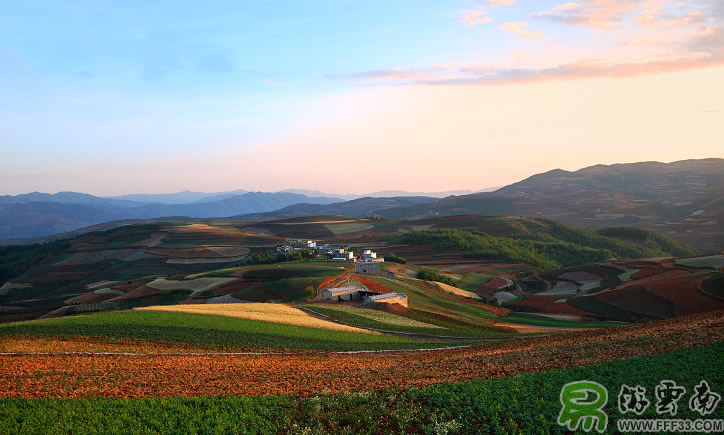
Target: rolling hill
[(170, 262), (684, 200)]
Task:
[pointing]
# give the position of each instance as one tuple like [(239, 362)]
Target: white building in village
[(342, 255), (369, 263)]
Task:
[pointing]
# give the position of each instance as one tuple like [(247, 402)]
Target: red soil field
[(646, 273), (332, 279), (59, 344), (535, 301), (565, 308), (665, 275), (128, 287), (371, 284), (184, 253), (638, 299), (496, 283), (89, 298), (684, 293), (138, 292), (231, 287), (308, 374), (546, 305)]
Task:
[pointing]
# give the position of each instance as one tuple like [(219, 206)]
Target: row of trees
[(540, 254), (271, 257), (434, 275), (15, 260)]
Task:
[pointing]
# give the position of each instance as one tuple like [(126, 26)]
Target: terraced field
[(305, 374), (526, 403), (146, 333), (215, 330), (624, 290)]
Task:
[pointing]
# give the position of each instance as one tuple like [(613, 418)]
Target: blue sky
[(103, 84)]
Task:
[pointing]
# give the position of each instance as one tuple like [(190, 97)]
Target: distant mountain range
[(41, 214), (389, 193), (185, 197), (356, 208), (682, 199)]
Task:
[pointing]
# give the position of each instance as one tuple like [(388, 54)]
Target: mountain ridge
[(683, 199)]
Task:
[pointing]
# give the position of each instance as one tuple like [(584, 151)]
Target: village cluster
[(367, 263)]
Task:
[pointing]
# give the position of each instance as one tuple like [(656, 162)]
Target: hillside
[(628, 291), (684, 200), (192, 262)]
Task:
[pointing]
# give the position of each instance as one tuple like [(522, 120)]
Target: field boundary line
[(316, 353)]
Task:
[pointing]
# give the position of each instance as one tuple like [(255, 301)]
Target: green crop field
[(527, 403), (292, 271), (533, 319), (210, 330), (415, 322), (292, 289), (423, 297)]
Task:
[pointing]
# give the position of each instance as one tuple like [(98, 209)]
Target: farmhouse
[(348, 293), (387, 298)]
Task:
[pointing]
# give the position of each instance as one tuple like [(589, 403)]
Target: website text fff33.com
[(675, 425)]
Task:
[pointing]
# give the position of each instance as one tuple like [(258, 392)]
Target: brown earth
[(87, 375)]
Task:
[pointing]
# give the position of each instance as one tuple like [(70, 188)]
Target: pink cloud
[(655, 18), (500, 3), (521, 28), (589, 68), (622, 67), (600, 14), (473, 18)]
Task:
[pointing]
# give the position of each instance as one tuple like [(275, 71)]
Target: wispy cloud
[(601, 14), (473, 18), (591, 68), (646, 37), (559, 10), (623, 67), (521, 28), (612, 14), (392, 75), (500, 3)]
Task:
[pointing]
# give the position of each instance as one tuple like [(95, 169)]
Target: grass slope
[(211, 330), (527, 403), (446, 316)]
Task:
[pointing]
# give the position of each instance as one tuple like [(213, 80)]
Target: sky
[(347, 96)]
